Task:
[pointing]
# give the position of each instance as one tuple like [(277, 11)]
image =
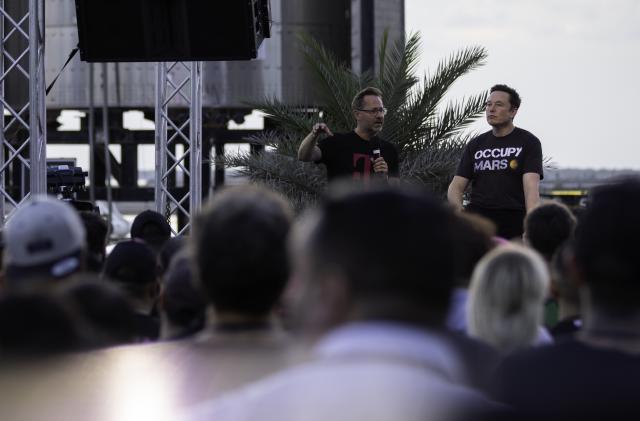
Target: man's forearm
[(307, 146), (531, 199), (531, 187), (454, 196)]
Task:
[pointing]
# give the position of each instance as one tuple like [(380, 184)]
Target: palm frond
[(450, 70), (457, 116), (337, 82), (301, 182), (287, 117)]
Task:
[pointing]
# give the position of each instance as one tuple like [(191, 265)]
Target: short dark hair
[(358, 100), (607, 249), (240, 252), (473, 239), (514, 97), (394, 249), (37, 323), (104, 309), (182, 303), (151, 227), (96, 233), (133, 266), (548, 226)]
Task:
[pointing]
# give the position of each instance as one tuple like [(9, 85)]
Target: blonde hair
[(506, 297)]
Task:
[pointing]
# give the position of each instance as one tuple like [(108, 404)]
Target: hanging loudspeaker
[(171, 30)]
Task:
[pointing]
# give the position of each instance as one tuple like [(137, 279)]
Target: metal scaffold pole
[(178, 190), (22, 103)]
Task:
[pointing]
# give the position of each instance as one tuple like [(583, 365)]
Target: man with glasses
[(504, 166), (359, 154)]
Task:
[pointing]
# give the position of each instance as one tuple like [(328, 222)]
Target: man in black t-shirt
[(504, 166), (357, 154)]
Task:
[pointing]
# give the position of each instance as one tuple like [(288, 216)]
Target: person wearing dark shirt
[(358, 154), (503, 165), (596, 376)]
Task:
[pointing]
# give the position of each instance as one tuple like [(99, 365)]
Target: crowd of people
[(414, 310), (381, 302)]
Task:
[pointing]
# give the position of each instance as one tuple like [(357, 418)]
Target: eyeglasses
[(374, 111)]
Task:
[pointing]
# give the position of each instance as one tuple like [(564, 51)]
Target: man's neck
[(364, 134), (504, 130)]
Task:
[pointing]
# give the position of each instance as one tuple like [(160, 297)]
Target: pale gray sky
[(575, 63)]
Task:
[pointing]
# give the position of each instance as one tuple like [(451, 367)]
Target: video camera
[(64, 181)]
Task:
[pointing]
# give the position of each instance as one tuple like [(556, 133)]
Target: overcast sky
[(575, 63)]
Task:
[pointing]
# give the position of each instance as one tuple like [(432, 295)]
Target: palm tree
[(428, 135)]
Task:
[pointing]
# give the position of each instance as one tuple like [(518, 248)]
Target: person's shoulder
[(333, 140), (386, 144), (525, 134), (482, 137), (545, 359)]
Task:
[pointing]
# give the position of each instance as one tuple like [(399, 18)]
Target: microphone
[(377, 148), (376, 152)]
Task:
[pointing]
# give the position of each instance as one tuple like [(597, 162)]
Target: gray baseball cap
[(44, 231)]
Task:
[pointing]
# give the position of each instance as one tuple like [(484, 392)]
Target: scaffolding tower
[(23, 124), (175, 168)]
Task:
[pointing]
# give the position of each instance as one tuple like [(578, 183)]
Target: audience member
[(474, 239), (104, 311), (182, 306), (238, 248), (240, 255), (44, 241), (35, 324), (506, 299), (379, 303), (96, 236), (152, 228), (132, 266), (547, 227), (171, 248), (598, 375), (566, 293)]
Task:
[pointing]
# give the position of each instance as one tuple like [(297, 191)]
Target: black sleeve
[(465, 166), (326, 146), (392, 161), (533, 160)]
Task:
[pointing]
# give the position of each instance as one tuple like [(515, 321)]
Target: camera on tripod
[(65, 180)]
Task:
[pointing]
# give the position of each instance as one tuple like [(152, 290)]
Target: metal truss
[(178, 190), (23, 126)]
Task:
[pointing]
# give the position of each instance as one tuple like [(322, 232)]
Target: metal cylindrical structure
[(160, 137), (2, 133), (37, 108), (195, 136)]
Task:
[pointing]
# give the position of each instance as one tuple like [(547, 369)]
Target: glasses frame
[(374, 111)]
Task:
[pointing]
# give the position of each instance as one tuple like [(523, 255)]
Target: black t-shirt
[(348, 155), (571, 379), (495, 166)]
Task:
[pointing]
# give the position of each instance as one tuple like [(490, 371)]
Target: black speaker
[(171, 30)]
